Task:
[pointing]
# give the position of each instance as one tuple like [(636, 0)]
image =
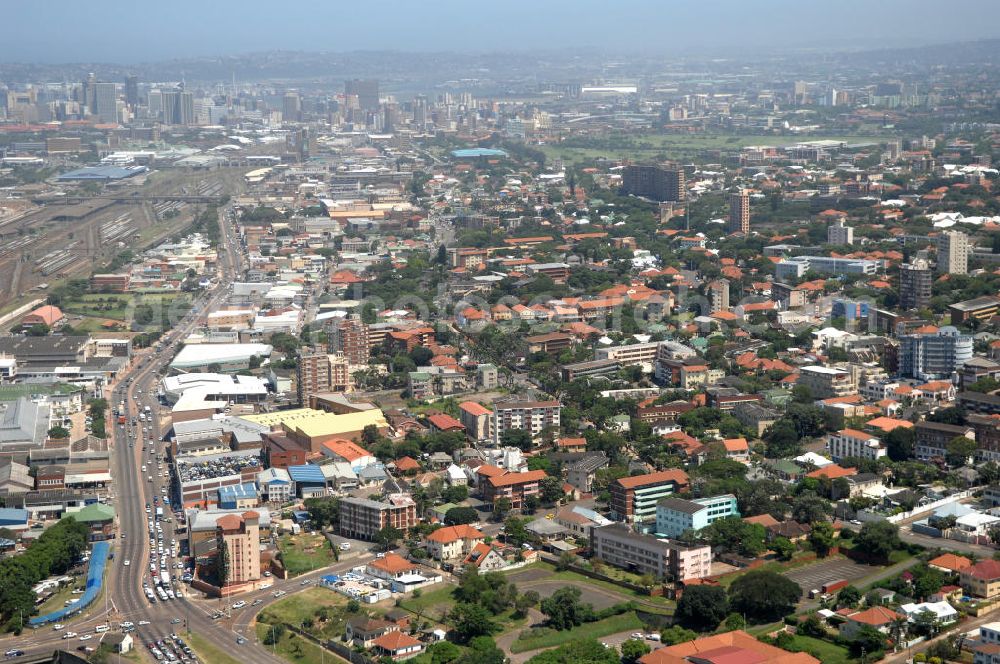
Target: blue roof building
[(309, 480), (472, 153), (13, 518), (238, 496)]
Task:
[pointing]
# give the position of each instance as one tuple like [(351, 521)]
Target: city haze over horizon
[(196, 30)]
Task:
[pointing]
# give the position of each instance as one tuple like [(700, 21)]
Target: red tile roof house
[(398, 646), (485, 558), (981, 579), (406, 464), (445, 423), (878, 617), (737, 449), (453, 542), (571, 444), (949, 562), (392, 566), (362, 630)]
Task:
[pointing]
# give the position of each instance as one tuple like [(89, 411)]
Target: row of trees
[(56, 551)]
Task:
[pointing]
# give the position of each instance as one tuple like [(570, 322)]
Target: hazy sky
[(128, 31)]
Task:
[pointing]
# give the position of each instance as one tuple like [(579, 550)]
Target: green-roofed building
[(440, 510), (786, 469), (29, 390), (99, 517), (777, 397)]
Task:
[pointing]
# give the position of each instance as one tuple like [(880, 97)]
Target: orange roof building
[(391, 566), (345, 449), (44, 315), (887, 424), (736, 647), (833, 471), (406, 464), (949, 562), (442, 422), (398, 645)]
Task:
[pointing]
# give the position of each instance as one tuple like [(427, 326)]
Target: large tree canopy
[(763, 596)]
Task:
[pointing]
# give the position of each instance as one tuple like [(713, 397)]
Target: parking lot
[(816, 574)]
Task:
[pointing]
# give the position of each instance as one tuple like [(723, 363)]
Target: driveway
[(981, 551)]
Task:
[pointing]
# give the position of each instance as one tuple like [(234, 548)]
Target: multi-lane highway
[(133, 446)]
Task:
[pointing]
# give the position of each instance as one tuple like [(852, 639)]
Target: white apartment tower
[(953, 252), (840, 233)]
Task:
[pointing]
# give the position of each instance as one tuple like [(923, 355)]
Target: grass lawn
[(435, 604), (824, 651), (651, 603), (88, 324), (326, 609), (594, 630), (899, 556), (431, 603), (212, 652), (305, 552), (58, 600), (100, 306), (294, 648), (758, 630)]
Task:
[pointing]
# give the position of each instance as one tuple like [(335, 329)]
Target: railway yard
[(53, 240)]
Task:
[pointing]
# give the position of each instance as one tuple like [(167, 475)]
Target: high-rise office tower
[(186, 116), (106, 102), (660, 183), (154, 103), (953, 252), (87, 90), (168, 105), (915, 280), (420, 111), (177, 107), (292, 107), (739, 212), (132, 91), (365, 91)]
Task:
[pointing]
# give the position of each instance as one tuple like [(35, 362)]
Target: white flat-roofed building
[(631, 354), (284, 321), (853, 443), (827, 382), (798, 266), (231, 388), (225, 355)]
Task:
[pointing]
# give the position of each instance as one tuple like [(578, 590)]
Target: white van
[(100, 629)]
